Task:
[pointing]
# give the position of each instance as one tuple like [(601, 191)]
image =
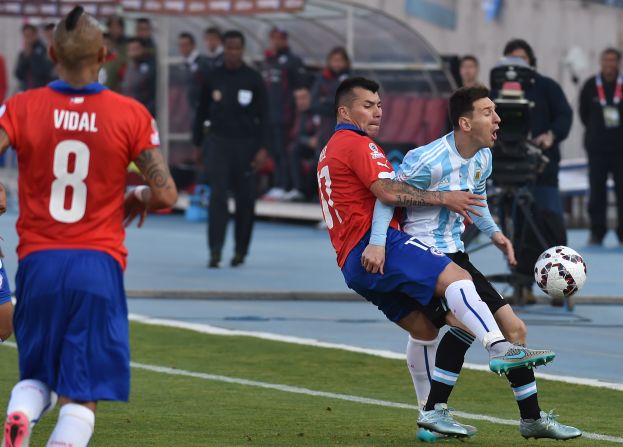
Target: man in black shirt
[(34, 68), (233, 107), (601, 111)]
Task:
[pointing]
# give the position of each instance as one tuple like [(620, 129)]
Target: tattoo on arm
[(406, 195), (154, 169)]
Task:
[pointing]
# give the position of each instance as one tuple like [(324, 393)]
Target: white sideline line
[(337, 396), (214, 330)]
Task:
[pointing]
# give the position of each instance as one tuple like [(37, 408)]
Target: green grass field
[(188, 411)]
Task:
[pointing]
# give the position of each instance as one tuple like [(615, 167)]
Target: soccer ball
[(560, 271)]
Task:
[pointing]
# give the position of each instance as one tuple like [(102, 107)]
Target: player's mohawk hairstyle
[(72, 18)]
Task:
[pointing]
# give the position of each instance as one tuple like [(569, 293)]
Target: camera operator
[(550, 122)]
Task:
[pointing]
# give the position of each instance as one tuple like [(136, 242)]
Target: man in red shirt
[(352, 173), (74, 140)]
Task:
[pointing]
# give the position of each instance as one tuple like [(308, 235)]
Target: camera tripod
[(519, 224)]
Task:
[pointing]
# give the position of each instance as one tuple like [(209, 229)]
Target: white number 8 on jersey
[(65, 179)]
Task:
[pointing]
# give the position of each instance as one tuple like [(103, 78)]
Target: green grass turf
[(169, 410)]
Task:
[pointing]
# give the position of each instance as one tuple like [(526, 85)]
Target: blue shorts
[(411, 272), (5, 288), (71, 324)]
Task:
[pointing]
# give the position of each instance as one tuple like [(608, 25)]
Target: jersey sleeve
[(145, 132), (480, 187), (9, 119), (414, 170), (368, 162)]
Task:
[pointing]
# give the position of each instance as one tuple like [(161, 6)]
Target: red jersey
[(348, 165), (73, 149)]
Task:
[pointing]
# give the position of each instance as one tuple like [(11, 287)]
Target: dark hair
[(143, 20), (49, 26), (611, 50), (344, 93), (342, 52), (72, 18), (29, 26), (469, 57), (187, 35), (136, 40), (233, 34), (213, 30), (516, 44), (462, 102), (117, 19)]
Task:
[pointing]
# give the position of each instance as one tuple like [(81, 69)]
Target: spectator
[(601, 110), (468, 70), (115, 68), (214, 47), (111, 56), (303, 147), (48, 33), (195, 68), (233, 100), (144, 31), (3, 80), (34, 68), (140, 77), (283, 73), (323, 90)]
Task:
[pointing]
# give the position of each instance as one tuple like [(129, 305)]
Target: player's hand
[(260, 160), (505, 246), (462, 202), (132, 207), (2, 199), (373, 259)]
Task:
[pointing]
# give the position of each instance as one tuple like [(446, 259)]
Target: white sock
[(31, 397), (469, 309), (421, 361), (74, 427)]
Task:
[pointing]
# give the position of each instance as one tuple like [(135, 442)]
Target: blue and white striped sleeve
[(414, 170), (485, 223)]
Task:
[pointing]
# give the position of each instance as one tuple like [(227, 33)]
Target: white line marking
[(337, 396), (345, 397), (214, 330)]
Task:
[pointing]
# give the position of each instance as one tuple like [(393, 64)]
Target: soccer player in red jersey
[(74, 140), (352, 173)]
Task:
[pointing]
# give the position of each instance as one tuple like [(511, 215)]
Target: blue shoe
[(547, 427), (425, 435), (517, 357), (440, 420)]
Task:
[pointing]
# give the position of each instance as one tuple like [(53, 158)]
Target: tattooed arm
[(395, 193), (160, 191)]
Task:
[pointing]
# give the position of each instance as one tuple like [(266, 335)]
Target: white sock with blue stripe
[(421, 361), (469, 309), (525, 391)]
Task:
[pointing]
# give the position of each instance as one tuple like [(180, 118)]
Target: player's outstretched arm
[(396, 193), (373, 257), (160, 191)]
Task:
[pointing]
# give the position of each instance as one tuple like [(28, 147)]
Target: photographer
[(550, 123)]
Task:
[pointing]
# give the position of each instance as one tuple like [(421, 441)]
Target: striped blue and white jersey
[(438, 166)]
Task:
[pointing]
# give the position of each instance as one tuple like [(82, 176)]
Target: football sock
[(74, 427), (469, 309), (31, 397), (523, 385), (448, 363), (420, 361)]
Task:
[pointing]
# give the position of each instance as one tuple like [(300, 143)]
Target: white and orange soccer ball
[(560, 271)]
